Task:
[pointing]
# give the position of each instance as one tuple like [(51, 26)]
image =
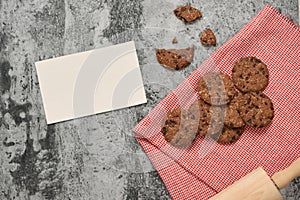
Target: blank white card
[(90, 82)]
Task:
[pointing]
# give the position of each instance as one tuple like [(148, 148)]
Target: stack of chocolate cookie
[(251, 76), (217, 90), (222, 111)]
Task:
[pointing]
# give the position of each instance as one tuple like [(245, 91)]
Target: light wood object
[(258, 186)]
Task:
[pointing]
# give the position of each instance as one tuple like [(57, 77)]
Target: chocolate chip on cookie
[(175, 58), (187, 13), (256, 109), (208, 38), (250, 74), (216, 88), (180, 127)]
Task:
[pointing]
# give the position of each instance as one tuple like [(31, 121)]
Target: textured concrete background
[(95, 157)]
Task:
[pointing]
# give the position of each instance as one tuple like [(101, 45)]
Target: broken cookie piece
[(175, 58), (208, 38), (174, 41), (187, 14)]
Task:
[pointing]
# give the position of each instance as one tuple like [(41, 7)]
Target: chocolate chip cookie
[(250, 74), (187, 14), (208, 38), (216, 88), (256, 109), (180, 128), (175, 58)]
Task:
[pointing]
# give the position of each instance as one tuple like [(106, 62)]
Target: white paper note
[(90, 82)]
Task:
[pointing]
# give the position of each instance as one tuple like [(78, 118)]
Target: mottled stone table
[(95, 157)]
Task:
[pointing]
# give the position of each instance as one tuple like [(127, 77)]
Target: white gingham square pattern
[(275, 40)]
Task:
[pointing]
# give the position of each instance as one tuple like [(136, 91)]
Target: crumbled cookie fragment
[(208, 38), (174, 41), (187, 14), (175, 59)]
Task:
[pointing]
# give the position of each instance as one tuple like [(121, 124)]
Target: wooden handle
[(256, 185), (284, 177)]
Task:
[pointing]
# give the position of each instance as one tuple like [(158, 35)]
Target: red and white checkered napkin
[(188, 174)]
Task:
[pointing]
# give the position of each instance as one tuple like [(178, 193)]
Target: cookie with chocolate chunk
[(180, 127), (187, 14), (250, 74), (208, 38), (256, 109), (216, 88), (175, 58)]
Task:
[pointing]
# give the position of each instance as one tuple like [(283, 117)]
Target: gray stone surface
[(95, 157)]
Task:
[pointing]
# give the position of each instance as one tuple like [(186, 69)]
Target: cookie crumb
[(208, 38), (174, 41)]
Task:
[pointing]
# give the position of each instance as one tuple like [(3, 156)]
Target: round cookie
[(250, 74), (180, 128), (230, 135), (256, 109), (216, 88)]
